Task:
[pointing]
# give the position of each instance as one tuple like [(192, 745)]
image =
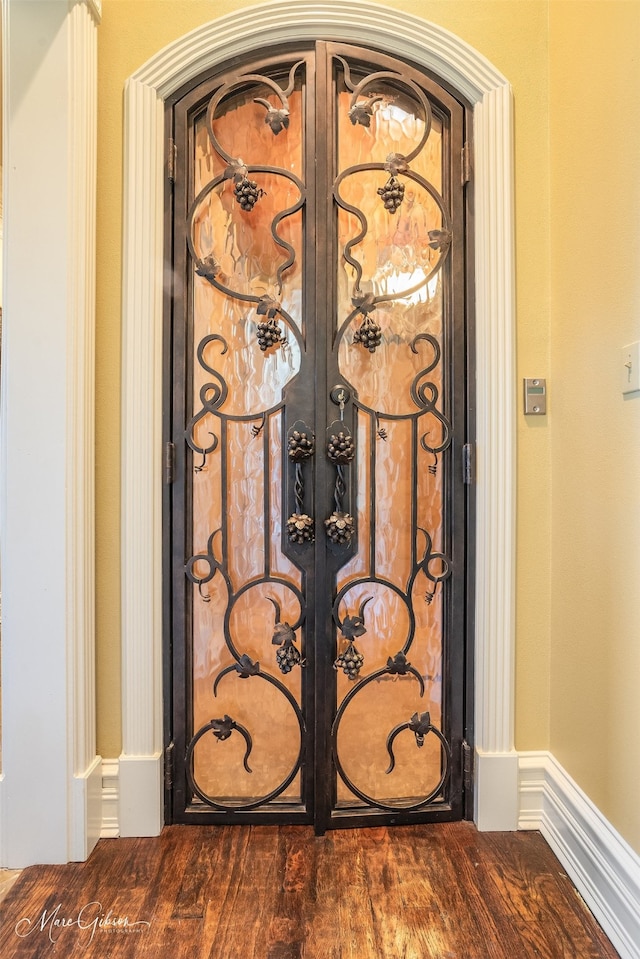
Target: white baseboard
[(141, 796), (602, 866), (496, 793), (86, 811), (131, 797), (110, 799)]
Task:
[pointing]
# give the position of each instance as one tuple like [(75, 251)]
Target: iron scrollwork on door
[(246, 192), (391, 284), (238, 236), (269, 464), (362, 111)]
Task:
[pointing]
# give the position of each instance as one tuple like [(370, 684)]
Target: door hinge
[(168, 767), (169, 462), (467, 463), (172, 159), (466, 163), (467, 765)]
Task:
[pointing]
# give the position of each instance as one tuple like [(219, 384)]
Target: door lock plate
[(535, 397), (340, 395)]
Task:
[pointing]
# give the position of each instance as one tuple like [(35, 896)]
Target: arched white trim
[(465, 69)]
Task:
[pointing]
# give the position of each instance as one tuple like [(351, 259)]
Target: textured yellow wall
[(595, 295), (513, 35)]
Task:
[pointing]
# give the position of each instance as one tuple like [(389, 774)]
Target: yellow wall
[(513, 35), (595, 296), (574, 70)]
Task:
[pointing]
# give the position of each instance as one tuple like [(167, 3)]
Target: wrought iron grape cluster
[(247, 192), (269, 334), (300, 528), (300, 446), (350, 661), (340, 448), (339, 528), (288, 656), (392, 194), (369, 334)]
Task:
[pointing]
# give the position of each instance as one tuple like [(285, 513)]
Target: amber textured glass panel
[(400, 483), (237, 487), (359, 565)]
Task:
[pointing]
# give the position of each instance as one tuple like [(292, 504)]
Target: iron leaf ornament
[(245, 667), (208, 267), (420, 725), (361, 112), (365, 303), (222, 728), (351, 660), (398, 665), (396, 163), (288, 655), (277, 119), (268, 306), (282, 633), (440, 239), (353, 626), (235, 169)]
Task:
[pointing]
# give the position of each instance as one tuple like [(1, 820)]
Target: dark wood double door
[(317, 552)]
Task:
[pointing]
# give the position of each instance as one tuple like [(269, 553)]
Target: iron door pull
[(301, 446)]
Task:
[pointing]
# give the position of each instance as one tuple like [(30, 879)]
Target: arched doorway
[(466, 70), (318, 395)]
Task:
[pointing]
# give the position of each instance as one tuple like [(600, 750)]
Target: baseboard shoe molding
[(602, 866)]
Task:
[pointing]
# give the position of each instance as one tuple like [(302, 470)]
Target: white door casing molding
[(476, 79), (47, 502)]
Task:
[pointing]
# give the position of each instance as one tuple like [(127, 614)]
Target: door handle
[(300, 447), (341, 451)]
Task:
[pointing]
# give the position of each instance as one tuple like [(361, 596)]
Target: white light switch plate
[(630, 367)]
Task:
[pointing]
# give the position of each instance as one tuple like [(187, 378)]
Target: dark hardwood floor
[(417, 892)]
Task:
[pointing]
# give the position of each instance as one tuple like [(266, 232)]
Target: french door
[(318, 411)]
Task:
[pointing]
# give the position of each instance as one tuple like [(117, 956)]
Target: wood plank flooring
[(267, 892)]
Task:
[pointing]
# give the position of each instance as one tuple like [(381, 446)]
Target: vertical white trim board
[(602, 866), (47, 433)]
